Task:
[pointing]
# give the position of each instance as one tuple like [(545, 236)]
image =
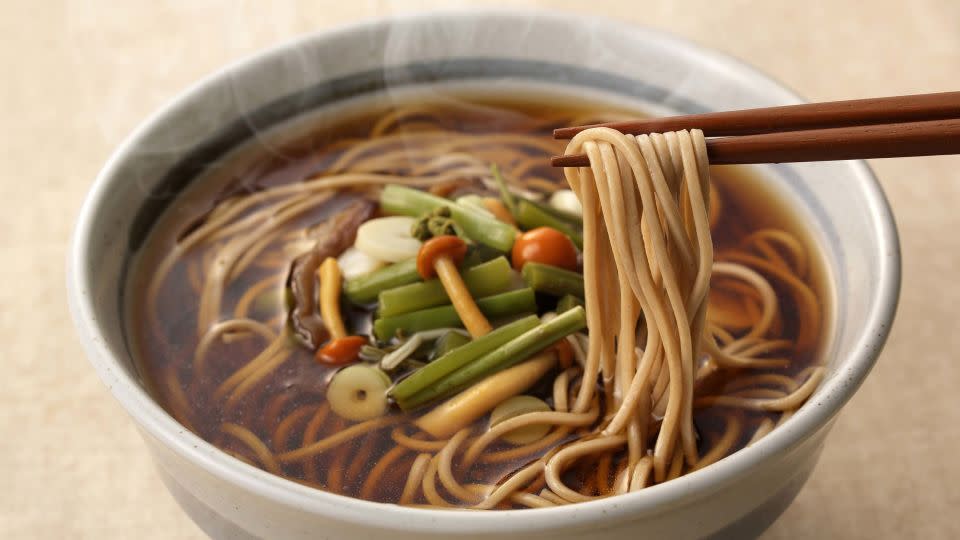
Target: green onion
[(486, 279), (552, 280), (358, 393), (477, 226), (514, 407), (500, 305), (424, 378), (513, 352), (530, 216)]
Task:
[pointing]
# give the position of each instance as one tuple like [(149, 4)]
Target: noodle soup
[(285, 310)]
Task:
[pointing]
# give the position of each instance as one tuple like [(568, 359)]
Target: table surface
[(79, 75)]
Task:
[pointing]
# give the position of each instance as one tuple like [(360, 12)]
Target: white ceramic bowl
[(736, 497)]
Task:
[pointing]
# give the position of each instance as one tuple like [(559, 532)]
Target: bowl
[(840, 202)]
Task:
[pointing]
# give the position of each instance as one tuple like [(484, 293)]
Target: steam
[(126, 73), (129, 59)]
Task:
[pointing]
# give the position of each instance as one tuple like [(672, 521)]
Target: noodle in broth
[(702, 325)]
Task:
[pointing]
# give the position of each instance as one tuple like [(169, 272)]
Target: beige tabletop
[(77, 76)]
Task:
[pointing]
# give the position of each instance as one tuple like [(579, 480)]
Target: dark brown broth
[(300, 380)]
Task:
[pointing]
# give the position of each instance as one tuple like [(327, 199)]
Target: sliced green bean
[(473, 201), (425, 377), (364, 289), (448, 342), (568, 302), (506, 304), (552, 280), (572, 219), (508, 199), (479, 227), (492, 277), (513, 352), (479, 253), (530, 216)]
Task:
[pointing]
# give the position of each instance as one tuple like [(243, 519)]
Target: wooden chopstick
[(931, 138), (886, 110), (901, 126)]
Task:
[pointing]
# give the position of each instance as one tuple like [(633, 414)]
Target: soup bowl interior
[(839, 203)]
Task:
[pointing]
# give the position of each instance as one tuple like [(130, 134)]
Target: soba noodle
[(674, 328)]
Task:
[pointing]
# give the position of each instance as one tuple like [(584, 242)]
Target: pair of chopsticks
[(900, 126)]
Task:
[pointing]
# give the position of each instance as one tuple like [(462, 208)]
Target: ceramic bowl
[(739, 496)]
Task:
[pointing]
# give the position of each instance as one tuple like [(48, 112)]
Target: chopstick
[(932, 138), (901, 126), (885, 110)]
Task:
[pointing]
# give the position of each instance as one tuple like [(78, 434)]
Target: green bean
[(364, 289), (508, 199), (552, 280), (513, 352), (568, 302), (479, 253), (448, 342), (492, 277), (530, 216), (425, 377), (477, 226), (563, 215), (473, 201), (506, 304)]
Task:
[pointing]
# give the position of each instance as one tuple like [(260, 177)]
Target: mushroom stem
[(460, 297), (499, 210), (461, 410), (330, 281), (440, 256)]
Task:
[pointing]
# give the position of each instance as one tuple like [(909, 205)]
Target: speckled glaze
[(734, 498)]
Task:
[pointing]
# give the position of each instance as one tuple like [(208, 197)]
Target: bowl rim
[(156, 422)]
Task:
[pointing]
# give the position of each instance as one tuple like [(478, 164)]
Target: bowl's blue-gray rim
[(162, 427)]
